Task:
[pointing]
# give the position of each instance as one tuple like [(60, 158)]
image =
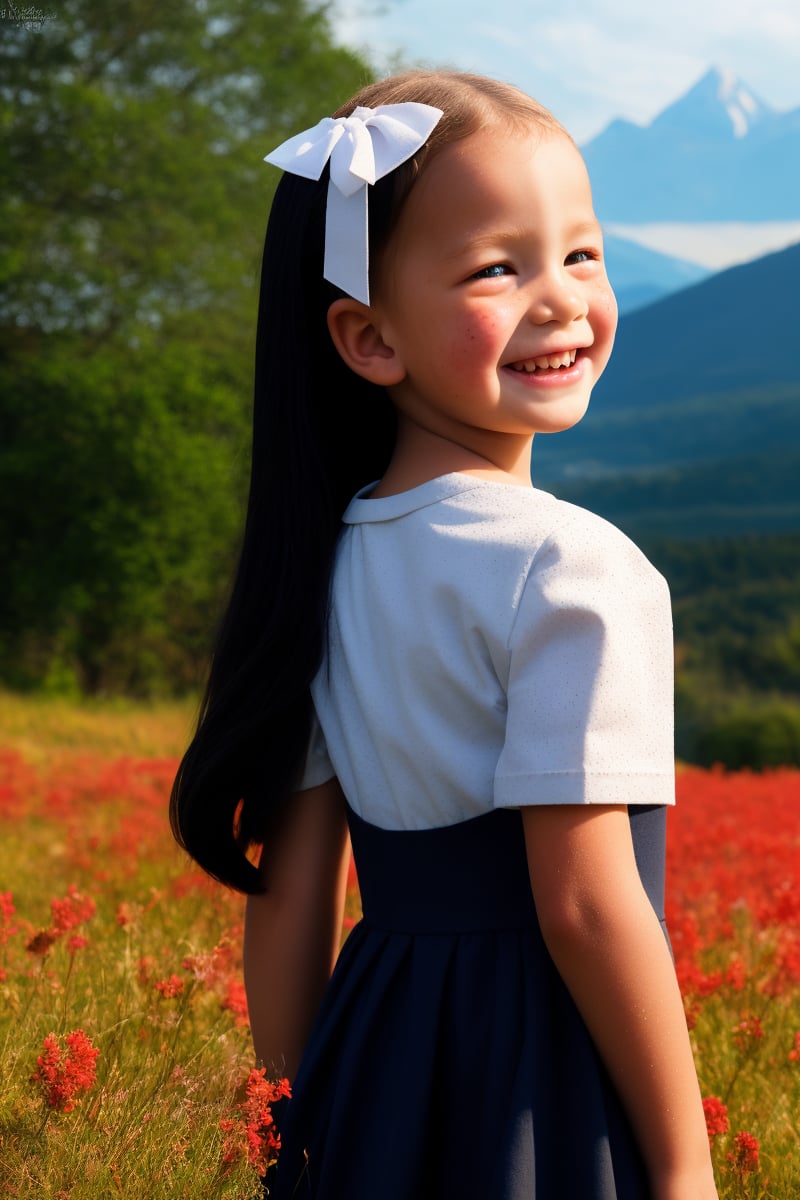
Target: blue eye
[(581, 256), (495, 271)]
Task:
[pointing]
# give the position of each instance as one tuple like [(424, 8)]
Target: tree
[(133, 201)]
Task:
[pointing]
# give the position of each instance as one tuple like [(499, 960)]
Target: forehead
[(498, 180)]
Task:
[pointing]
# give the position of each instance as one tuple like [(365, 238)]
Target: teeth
[(546, 361)]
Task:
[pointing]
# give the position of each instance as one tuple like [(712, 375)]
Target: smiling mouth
[(545, 362)]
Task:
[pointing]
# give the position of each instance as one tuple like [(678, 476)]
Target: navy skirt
[(448, 1061)]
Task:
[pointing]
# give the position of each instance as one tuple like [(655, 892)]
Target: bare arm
[(292, 932), (609, 948)]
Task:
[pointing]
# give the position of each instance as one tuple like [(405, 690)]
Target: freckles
[(480, 330), (469, 343), (608, 301), (605, 310)]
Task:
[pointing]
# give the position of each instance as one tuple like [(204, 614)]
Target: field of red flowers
[(124, 1046)]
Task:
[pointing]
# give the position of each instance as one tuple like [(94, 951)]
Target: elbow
[(570, 921), (588, 922), (582, 910)]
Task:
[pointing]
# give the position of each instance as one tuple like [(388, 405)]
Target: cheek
[(604, 316), (475, 339)]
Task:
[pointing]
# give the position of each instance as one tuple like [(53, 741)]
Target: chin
[(560, 423)]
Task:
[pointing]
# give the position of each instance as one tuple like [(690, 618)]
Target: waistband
[(472, 876)]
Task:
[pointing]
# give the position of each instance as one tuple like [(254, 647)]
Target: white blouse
[(491, 646)]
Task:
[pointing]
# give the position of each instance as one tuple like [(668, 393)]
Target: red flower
[(213, 968), (794, 1053), (252, 1133), (72, 910), (745, 1155), (63, 1075), (235, 1000), (736, 975), (748, 1031), (716, 1115), (145, 970), (170, 988), (7, 910)]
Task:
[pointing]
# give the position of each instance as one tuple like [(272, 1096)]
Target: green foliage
[(736, 604), (132, 202), (732, 446), (752, 737), (730, 495)]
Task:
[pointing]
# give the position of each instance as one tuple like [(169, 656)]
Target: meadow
[(124, 1045)]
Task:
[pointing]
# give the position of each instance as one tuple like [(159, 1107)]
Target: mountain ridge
[(720, 104), (746, 316), (717, 153), (702, 385), (639, 275)]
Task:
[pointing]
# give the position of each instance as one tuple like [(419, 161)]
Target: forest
[(133, 199), (736, 610), (133, 202)]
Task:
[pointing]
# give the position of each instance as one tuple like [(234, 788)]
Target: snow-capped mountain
[(719, 106), (719, 153)]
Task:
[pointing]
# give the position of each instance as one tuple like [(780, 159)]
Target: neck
[(420, 455)]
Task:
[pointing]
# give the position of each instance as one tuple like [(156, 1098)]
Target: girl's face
[(492, 292)]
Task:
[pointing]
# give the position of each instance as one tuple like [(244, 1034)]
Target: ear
[(357, 337)]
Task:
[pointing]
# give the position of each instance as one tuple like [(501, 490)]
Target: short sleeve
[(590, 682), (318, 767)]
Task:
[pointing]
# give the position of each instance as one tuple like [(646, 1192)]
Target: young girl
[(471, 676)]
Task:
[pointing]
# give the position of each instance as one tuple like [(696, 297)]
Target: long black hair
[(320, 433)]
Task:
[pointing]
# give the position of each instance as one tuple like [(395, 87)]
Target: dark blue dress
[(448, 1061)]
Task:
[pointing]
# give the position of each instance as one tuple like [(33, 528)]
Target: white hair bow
[(362, 148)]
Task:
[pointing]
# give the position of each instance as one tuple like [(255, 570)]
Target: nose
[(558, 297)]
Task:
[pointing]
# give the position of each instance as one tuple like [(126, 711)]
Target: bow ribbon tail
[(347, 254)]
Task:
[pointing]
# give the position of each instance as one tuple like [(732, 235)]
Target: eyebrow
[(585, 228), (477, 243)]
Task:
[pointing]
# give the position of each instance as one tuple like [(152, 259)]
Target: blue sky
[(589, 60)]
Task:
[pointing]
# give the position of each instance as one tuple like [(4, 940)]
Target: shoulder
[(547, 538), (538, 521), (579, 539), (584, 572)]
